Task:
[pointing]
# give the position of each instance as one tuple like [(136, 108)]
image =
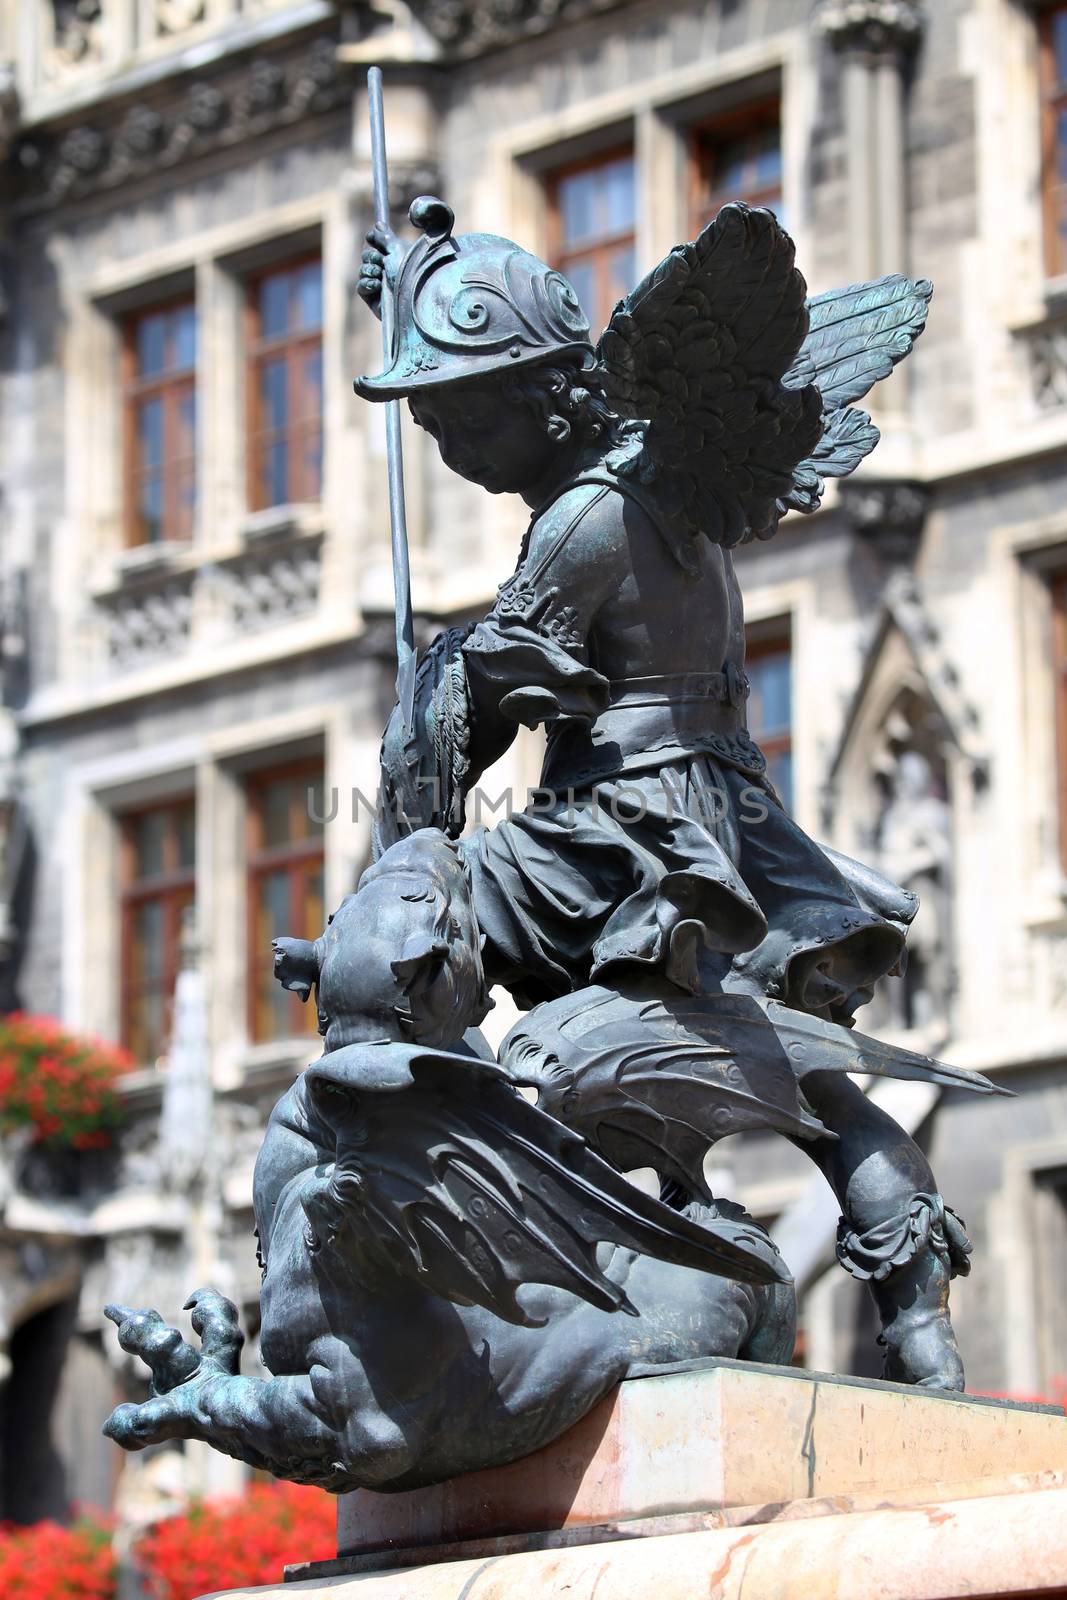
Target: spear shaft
[(405, 626)]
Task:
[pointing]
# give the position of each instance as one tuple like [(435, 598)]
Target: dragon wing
[(699, 351), (447, 1175), (855, 337), (655, 1082)]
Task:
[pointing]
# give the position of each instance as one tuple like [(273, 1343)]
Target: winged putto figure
[(690, 962)]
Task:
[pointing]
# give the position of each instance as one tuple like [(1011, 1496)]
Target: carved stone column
[(875, 39)]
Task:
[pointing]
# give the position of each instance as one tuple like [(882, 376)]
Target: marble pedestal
[(722, 1478)]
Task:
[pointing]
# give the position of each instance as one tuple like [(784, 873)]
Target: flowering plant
[(48, 1562), (228, 1544), (57, 1085)]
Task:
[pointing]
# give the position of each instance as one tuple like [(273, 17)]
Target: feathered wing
[(658, 1082), (856, 336), (747, 388), (699, 352), (445, 1174)]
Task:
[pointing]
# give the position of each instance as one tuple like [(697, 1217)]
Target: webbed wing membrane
[(856, 336), (699, 351), (656, 1082), (449, 1176)]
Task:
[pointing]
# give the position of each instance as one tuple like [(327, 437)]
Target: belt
[(652, 721), (728, 687)]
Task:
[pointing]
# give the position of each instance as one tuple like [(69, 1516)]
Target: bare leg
[(896, 1234)]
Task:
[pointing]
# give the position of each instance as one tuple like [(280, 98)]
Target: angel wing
[(654, 1082), (446, 1175), (744, 386), (856, 336), (699, 351)]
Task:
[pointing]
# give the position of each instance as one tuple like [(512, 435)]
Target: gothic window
[(285, 888), (158, 862), (736, 156), (592, 221), (159, 392), (769, 666), (1053, 56), (285, 385)]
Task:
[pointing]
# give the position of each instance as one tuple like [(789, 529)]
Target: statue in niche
[(690, 963), (913, 840)]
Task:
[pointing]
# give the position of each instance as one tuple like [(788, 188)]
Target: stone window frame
[(1053, 101), (766, 637), (169, 387), (1057, 583), (751, 116), (299, 858), (254, 354), (1037, 557), (101, 573), (659, 114), (214, 765), (1013, 1221), (173, 889), (789, 609), (598, 251)]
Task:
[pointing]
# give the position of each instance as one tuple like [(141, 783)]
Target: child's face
[(482, 436)]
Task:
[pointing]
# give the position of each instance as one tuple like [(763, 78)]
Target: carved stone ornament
[(889, 513), (876, 26), (149, 622), (221, 110), (1048, 365), (467, 27), (77, 30), (174, 16), (271, 586)]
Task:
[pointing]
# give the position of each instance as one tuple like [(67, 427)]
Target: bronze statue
[(691, 963)]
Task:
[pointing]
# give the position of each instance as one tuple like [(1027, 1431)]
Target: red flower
[(48, 1562), (60, 1086), (227, 1544)]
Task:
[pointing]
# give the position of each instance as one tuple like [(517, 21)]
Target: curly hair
[(567, 392)]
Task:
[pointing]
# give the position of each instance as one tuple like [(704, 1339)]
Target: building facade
[(196, 589)]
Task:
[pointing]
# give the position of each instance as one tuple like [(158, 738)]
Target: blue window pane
[(183, 339), (150, 433), (583, 282), (152, 345), (308, 400), (1059, 46), (312, 450), (185, 444), (769, 160), (277, 473), (780, 771), (617, 188), (150, 510), (577, 204), (186, 831), (149, 835), (274, 305), (309, 296), (274, 398), (771, 692), (148, 940)]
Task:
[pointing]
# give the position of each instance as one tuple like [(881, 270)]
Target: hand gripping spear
[(405, 628)]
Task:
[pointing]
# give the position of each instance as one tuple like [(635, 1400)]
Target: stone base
[(722, 1476)]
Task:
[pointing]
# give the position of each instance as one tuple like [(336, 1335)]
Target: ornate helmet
[(472, 305)]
